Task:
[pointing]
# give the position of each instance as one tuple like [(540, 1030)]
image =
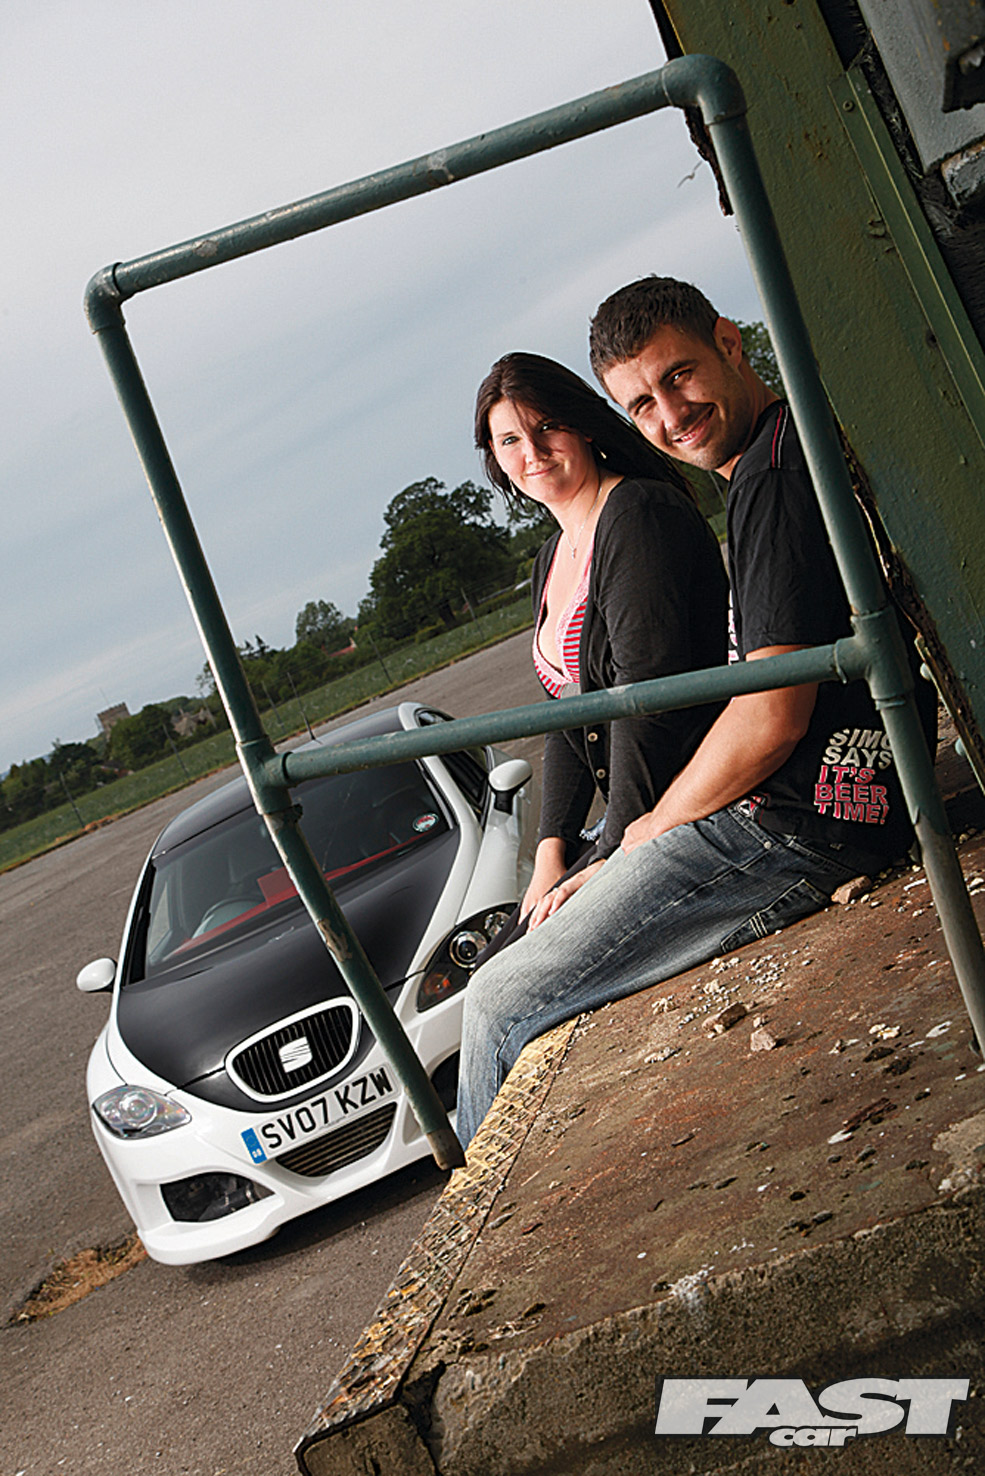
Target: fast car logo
[(295, 1053), (794, 1416)]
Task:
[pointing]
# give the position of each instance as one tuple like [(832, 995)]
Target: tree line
[(442, 555)]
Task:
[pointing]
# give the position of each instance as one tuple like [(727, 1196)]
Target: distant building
[(185, 723), (108, 720)]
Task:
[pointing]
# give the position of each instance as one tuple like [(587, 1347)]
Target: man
[(791, 792)]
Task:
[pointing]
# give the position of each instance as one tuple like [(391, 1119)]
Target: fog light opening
[(210, 1196)]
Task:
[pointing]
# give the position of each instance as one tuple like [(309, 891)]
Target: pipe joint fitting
[(103, 301), (882, 654), (704, 82)]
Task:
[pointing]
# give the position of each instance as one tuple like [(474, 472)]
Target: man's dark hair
[(626, 321), (556, 392)]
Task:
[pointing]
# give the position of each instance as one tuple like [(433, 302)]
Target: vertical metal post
[(273, 801), (940, 859), (711, 83)]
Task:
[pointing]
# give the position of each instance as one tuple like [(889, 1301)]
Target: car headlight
[(448, 969), (139, 1112)]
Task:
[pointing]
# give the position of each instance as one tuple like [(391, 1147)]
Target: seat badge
[(295, 1053)]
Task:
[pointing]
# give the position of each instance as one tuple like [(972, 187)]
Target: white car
[(236, 1084)]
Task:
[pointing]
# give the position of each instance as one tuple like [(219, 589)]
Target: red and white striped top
[(567, 637)]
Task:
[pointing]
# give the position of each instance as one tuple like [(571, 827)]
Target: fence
[(874, 653)]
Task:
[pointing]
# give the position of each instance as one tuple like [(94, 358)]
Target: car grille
[(326, 1035), (345, 1145)]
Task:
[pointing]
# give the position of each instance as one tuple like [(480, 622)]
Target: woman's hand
[(555, 899), (549, 867)]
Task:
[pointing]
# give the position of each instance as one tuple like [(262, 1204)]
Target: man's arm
[(747, 743)]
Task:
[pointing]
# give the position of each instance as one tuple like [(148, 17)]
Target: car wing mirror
[(96, 976), (505, 779)]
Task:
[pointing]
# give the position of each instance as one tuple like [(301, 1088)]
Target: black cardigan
[(657, 604)]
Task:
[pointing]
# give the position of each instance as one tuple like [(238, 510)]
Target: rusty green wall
[(901, 364)]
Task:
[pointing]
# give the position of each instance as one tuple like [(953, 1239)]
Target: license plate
[(297, 1124)]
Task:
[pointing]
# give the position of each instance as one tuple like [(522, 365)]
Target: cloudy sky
[(299, 389)]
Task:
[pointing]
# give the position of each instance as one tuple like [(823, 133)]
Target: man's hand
[(647, 827), (555, 899)]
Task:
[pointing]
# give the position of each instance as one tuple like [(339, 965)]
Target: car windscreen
[(217, 885)]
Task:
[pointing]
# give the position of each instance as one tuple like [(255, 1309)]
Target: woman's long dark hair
[(557, 393)]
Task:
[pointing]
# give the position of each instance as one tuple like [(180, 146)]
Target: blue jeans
[(698, 891)]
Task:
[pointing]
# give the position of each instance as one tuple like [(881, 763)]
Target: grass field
[(55, 827)]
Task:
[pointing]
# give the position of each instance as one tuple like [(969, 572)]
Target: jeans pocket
[(841, 862), (797, 901)]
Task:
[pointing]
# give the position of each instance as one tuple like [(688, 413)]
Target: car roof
[(235, 796)]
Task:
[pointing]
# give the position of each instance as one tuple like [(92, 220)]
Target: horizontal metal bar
[(590, 114), (663, 694)]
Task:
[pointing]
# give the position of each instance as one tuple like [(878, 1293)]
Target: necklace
[(581, 526)]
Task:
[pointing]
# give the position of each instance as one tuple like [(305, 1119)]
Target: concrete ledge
[(368, 1385), (903, 1298), (773, 1165)]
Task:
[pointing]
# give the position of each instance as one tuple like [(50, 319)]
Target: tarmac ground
[(205, 1370)]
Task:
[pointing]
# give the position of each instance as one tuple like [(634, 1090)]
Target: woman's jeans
[(697, 891)]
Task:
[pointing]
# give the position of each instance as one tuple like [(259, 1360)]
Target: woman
[(631, 586)]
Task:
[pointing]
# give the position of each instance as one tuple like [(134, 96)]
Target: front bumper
[(375, 1138)]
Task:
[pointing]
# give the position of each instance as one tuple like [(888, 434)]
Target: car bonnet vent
[(297, 1052)]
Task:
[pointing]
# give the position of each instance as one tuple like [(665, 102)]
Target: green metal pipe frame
[(874, 653)]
